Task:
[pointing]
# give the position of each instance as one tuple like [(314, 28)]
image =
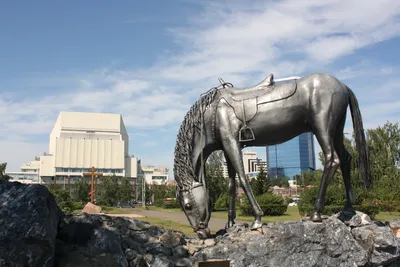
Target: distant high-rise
[(292, 157)]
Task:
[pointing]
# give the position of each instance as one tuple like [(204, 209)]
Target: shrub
[(222, 203), (271, 205), (78, 206), (159, 203), (174, 204), (62, 197), (335, 201)]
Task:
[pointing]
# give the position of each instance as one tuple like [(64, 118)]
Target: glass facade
[(292, 157)]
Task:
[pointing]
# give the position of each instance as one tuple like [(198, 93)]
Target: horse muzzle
[(203, 233)]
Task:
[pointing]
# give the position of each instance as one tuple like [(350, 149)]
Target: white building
[(81, 140), (29, 173), (251, 164), (155, 174)]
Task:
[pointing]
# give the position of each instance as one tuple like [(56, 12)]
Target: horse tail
[(361, 143)]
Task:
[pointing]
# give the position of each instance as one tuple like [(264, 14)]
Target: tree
[(125, 190), (279, 181), (163, 191), (260, 184), (107, 191), (82, 189), (62, 197), (149, 191), (217, 184), (4, 177), (384, 147)]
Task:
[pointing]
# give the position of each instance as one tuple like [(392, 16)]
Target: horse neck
[(201, 151)]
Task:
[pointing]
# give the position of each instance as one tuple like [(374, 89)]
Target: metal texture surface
[(227, 118)]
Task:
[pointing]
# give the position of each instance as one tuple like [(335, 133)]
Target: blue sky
[(150, 60)]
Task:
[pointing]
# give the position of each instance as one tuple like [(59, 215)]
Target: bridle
[(194, 204)]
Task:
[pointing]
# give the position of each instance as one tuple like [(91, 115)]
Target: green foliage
[(77, 205), (82, 189), (125, 190), (163, 191), (217, 184), (260, 184), (174, 204), (384, 147), (149, 192), (107, 191), (62, 197), (279, 181), (222, 203), (335, 201), (272, 205), (4, 177)]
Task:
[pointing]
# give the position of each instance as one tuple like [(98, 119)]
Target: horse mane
[(184, 171)]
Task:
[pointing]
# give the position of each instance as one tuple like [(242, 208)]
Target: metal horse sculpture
[(227, 118)]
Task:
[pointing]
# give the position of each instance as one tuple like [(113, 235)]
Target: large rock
[(305, 243), (29, 218), (34, 232), (122, 242), (91, 208)]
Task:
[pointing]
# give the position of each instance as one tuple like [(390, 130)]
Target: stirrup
[(246, 134)]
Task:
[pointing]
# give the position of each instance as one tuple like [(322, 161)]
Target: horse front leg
[(232, 193), (233, 151)]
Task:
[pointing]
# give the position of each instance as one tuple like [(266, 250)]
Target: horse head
[(196, 205)]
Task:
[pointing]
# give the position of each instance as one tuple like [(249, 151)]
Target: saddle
[(245, 101)]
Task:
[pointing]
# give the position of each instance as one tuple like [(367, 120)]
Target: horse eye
[(188, 206)]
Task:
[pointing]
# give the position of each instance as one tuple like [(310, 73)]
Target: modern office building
[(292, 157), (81, 140)]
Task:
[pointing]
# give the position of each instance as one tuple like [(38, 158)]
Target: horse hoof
[(230, 224), (256, 225), (316, 217)]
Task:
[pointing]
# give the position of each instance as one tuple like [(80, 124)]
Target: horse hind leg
[(332, 162), (232, 193), (345, 167)]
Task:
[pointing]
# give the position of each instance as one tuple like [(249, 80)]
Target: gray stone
[(130, 243), (297, 243), (172, 239), (161, 261), (158, 249), (29, 218), (138, 261), (137, 225), (155, 231), (139, 237), (180, 252), (395, 223), (209, 242), (380, 243)]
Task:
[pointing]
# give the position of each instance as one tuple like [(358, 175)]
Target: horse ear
[(270, 79)]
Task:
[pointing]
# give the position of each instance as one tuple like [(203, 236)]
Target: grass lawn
[(169, 225), (385, 216), (292, 213)]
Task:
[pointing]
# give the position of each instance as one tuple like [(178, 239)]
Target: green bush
[(174, 204), (271, 205), (159, 202), (78, 206), (62, 197), (222, 203), (335, 201)]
